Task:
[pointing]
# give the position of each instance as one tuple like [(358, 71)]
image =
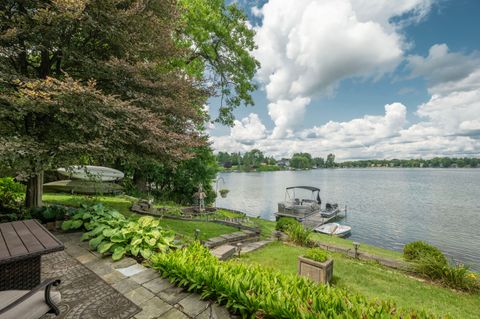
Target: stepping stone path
[(156, 296)]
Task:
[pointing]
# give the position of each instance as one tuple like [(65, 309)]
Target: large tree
[(221, 42), (93, 80)]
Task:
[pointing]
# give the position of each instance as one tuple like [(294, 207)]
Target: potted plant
[(223, 192), (316, 265)]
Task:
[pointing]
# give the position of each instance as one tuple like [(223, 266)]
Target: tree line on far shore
[(257, 160)]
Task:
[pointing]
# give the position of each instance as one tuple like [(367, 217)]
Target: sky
[(362, 79)]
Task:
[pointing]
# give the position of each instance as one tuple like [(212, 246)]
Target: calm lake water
[(386, 207)]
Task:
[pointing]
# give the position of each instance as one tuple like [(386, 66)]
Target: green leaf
[(76, 224), (96, 241), (145, 253), (104, 247), (67, 225), (85, 236), (109, 232), (97, 230), (145, 221), (136, 241), (117, 238), (135, 250), (118, 253)]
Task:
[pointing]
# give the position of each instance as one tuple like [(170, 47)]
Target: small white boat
[(334, 229), (89, 173)]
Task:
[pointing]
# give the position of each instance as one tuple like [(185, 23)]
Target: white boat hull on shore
[(89, 172), (334, 229)]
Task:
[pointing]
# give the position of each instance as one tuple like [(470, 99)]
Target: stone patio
[(156, 296)]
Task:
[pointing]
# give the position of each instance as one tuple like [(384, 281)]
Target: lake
[(387, 207)]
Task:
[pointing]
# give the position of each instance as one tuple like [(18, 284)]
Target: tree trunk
[(34, 193), (140, 182)]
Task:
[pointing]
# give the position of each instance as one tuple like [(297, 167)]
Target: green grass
[(123, 203), (348, 244), (375, 281), (120, 203), (266, 227), (187, 228)]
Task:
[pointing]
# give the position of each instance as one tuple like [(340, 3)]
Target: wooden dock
[(315, 220)]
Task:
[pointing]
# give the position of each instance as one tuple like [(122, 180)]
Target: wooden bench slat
[(42, 234), (4, 253), (29, 240), (14, 244)]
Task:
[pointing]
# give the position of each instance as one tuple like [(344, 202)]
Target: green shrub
[(299, 234), (49, 213), (456, 277), (317, 254), (418, 249), (11, 198), (284, 222), (257, 292), (108, 231), (430, 262)]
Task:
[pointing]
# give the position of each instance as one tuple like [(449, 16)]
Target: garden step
[(224, 252), (236, 237), (246, 248)]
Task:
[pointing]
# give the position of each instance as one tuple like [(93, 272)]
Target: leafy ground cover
[(259, 292), (374, 281)]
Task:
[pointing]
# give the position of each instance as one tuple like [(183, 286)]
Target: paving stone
[(99, 267), (173, 294), (173, 314), (139, 295), (125, 285), (214, 312), (124, 262), (86, 258), (193, 305), (131, 270), (76, 251), (113, 277), (158, 284), (146, 275), (153, 308)]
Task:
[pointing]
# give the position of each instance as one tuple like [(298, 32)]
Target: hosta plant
[(108, 231)]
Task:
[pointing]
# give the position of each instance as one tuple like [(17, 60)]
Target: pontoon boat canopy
[(310, 188)]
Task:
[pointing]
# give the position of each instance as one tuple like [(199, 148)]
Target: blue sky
[(331, 79)]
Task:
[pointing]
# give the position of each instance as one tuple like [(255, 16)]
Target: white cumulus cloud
[(446, 71), (307, 47), (248, 130)]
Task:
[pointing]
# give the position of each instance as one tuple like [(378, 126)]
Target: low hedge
[(417, 250), (257, 292), (284, 222)]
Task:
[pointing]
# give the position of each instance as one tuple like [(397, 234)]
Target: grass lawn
[(346, 243), (375, 281), (123, 203), (187, 228)]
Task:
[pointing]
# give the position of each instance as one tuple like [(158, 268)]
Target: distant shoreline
[(332, 168)]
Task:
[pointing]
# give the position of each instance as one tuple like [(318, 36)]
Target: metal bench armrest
[(46, 285)]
